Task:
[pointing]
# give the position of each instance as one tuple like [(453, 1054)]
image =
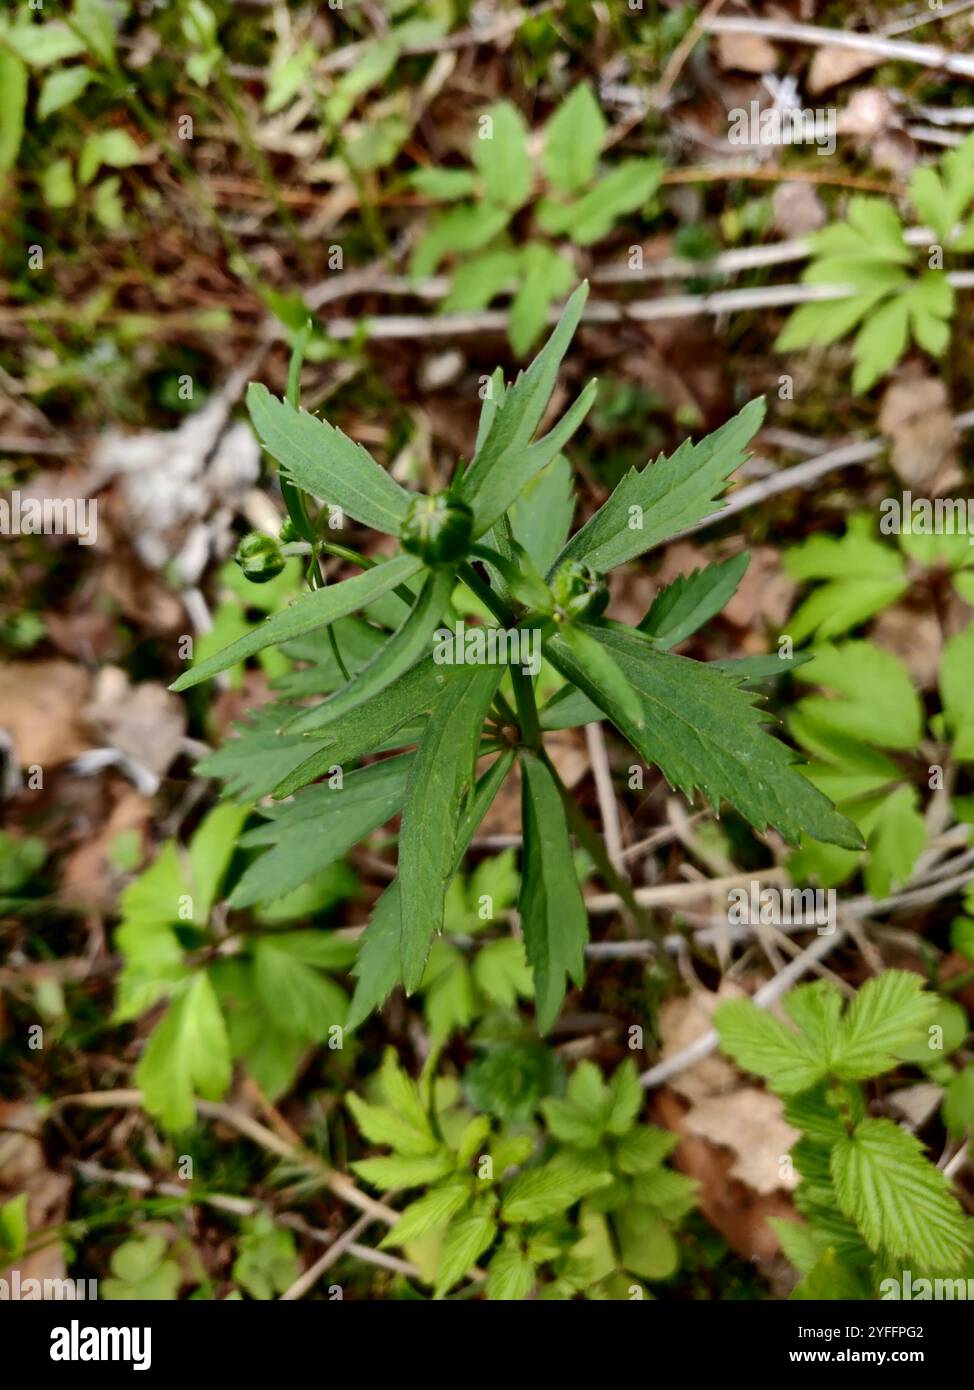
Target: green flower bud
[(259, 557), (579, 592), (288, 532), (438, 529)]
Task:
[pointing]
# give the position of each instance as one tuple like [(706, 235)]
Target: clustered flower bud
[(579, 592), (438, 529), (259, 557)]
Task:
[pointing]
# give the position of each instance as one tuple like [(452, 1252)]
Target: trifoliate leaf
[(900, 1202), (888, 1014), (762, 1044)]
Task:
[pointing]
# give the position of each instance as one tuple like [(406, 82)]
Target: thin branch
[(341, 1185), (767, 995), (306, 1281), (926, 55), (608, 807), (804, 475), (422, 327)]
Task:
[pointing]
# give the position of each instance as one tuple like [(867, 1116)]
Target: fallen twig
[(927, 55)]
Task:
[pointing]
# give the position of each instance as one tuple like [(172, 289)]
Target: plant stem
[(527, 709), (487, 595)]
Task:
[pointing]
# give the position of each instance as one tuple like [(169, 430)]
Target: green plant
[(262, 996), (890, 302), (268, 1262), (870, 1197), (458, 986), (141, 1272), (576, 204), (872, 747), (68, 56), (585, 1205), (545, 591)]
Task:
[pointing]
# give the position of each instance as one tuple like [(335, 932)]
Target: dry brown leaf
[(765, 595), (832, 66), (142, 595), (682, 1021), (867, 114), (746, 53), (896, 152), (40, 708), (915, 416), (147, 722), (740, 1214), (917, 1104), (23, 1168), (89, 878), (796, 209), (752, 1125), (915, 637)]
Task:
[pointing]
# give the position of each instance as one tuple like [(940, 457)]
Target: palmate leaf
[(442, 769), (553, 916), (402, 651), (305, 615), (188, 1053), (900, 1202), (251, 763), (319, 458), (703, 732), (663, 498), (317, 828), (304, 1002), (498, 471)]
